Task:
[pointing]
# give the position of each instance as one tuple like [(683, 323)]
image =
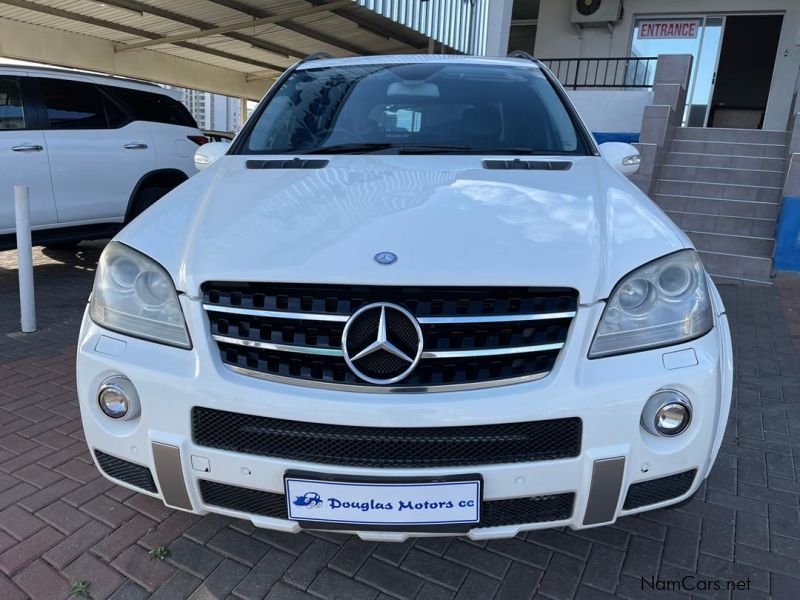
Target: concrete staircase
[(723, 187)]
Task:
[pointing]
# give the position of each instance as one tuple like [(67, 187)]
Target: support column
[(498, 27), (787, 237)]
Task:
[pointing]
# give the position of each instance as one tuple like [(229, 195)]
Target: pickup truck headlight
[(662, 303), (134, 295)]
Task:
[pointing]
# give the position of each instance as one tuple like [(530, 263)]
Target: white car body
[(451, 222), (84, 181)]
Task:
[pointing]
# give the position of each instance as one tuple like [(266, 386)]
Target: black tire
[(146, 198)]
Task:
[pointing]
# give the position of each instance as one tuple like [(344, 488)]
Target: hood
[(449, 220)]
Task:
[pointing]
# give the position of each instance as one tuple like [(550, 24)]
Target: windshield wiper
[(366, 147)]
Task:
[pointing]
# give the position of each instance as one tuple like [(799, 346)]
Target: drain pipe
[(27, 302)]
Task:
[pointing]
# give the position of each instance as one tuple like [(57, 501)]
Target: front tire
[(146, 198)]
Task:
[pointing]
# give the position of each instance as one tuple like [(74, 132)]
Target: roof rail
[(317, 56), (522, 54)]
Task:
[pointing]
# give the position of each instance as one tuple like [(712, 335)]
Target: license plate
[(383, 503)]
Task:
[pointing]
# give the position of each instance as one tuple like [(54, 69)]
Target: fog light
[(667, 413), (118, 399)]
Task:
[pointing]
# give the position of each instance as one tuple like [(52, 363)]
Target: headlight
[(664, 302), (133, 294)]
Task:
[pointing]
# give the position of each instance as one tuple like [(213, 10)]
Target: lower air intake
[(131, 473), (494, 513), (658, 490)]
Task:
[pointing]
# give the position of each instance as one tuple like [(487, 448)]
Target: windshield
[(414, 108)]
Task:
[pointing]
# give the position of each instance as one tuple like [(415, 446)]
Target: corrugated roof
[(346, 30)]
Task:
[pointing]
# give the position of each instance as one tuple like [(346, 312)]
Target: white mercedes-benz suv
[(412, 298)]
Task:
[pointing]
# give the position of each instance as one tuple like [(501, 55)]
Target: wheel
[(146, 198)]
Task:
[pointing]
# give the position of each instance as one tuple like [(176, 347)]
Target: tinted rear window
[(146, 106), (73, 104)]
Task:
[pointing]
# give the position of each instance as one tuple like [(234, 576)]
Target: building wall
[(612, 115), (556, 37)]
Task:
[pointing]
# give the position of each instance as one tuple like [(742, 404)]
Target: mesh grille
[(658, 490), (223, 301), (387, 446), (131, 473), (494, 513)]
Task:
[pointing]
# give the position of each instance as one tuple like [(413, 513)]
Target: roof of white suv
[(415, 58), (96, 78)]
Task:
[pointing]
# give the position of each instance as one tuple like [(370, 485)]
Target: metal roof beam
[(173, 39), (64, 14), (136, 6), (295, 27)]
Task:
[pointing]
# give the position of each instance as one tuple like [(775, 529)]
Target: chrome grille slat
[(473, 337)]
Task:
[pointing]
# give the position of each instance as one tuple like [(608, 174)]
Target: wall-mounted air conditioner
[(596, 12)]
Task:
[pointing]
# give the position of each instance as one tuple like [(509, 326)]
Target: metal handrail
[(634, 72)]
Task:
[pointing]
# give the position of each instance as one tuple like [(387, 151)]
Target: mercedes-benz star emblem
[(385, 258), (382, 343)]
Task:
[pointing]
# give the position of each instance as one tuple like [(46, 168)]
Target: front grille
[(384, 447), (653, 491), (472, 337), (494, 513), (131, 473)]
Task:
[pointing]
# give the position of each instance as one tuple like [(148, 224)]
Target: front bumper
[(607, 394)]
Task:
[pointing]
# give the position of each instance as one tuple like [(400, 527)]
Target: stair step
[(726, 161), (730, 148), (723, 175), (727, 191), (717, 206), (733, 266), (733, 244), (718, 134), (742, 226)]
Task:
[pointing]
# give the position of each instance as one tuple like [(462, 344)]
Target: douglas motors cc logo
[(308, 500)]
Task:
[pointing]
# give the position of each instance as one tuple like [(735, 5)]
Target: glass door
[(699, 36)]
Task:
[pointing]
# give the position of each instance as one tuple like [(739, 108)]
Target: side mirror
[(623, 157), (208, 153)]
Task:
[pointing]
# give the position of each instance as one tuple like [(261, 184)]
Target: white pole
[(27, 303)]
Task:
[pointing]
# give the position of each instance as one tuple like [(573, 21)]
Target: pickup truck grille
[(471, 337)]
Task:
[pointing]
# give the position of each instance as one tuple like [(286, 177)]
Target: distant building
[(212, 111)]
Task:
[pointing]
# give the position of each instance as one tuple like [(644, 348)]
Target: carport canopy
[(231, 47)]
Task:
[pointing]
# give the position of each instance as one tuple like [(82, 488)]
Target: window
[(149, 106), (416, 107), (12, 115), (73, 104)]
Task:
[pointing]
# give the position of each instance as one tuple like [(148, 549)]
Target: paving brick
[(389, 579), (520, 550), (284, 592), (681, 548), (562, 576), (123, 537), (9, 590), (221, 582), (169, 530), (193, 557), (561, 542), (105, 580), (63, 517), (130, 591), (302, 572), (238, 546), (207, 527), (392, 552), (264, 575), (71, 547), (48, 495), (109, 511), (330, 584), (477, 586), (41, 582), (19, 522), (152, 507), (717, 539), (17, 557), (88, 492), (352, 556), (603, 568), (181, 585), (37, 475), (435, 569), (147, 572), (643, 557)]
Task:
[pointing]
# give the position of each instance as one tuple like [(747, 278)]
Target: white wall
[(611, 111), (556, 37)]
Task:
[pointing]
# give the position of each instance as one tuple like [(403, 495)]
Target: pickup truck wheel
[(146, 198)]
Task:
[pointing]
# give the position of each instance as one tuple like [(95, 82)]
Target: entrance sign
[(675, 29)]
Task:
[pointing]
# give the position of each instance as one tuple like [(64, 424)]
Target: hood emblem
[(382, 343), (385, 258)]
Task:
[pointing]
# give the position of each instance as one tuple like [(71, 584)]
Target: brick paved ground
[(60, 522)]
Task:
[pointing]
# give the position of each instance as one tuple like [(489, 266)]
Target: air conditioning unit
[(596, 12)]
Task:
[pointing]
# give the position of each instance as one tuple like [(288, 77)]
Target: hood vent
[(528, 165), (294, 163)]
